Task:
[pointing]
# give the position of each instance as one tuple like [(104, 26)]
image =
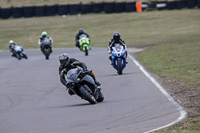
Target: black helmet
[(64, 59), (116, 36), (80, 31)]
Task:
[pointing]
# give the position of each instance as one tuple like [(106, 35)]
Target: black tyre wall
[(119, 7), (161, 5), (144, 5), (181, 4), (40, 11), (130, 7), (198, 3), (74, 9), (17, 12), (6, 13), (171, 5), (86, 8), (51, 10), (63, 9), (29, 11), (191, 3), (97, 7), (109, 7)]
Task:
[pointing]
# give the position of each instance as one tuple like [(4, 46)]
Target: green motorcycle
[(84, 43)]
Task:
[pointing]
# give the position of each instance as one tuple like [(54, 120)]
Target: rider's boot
[(110, 58), (70, 92)]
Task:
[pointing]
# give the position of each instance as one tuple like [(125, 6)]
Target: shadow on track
[(112, 75)]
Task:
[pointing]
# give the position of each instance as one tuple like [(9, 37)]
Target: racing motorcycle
[(46, 47), (84, 43), (83, 85), (19, 53), (118, 58)]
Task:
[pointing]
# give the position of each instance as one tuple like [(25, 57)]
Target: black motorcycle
[(83, 85), (46, 47)]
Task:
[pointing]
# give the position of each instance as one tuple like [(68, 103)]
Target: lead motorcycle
[(83, 85), (19, 53), (118, 58), (84, 43), (46, 47)]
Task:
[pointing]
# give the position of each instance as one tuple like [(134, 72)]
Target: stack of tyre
[(93, 7)]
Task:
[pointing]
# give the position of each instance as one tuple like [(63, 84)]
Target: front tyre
[(86, 50), (86, 94), (119, 66), (25, 56)]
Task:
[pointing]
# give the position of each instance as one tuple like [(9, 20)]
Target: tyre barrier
[(191, 3), (181, 4), (106, 7), (74, 9), (86, 8), (152, 6), (97, 7), (29, 11), (198, 3), (119, 7), (161, 5), (109, 7), (171, 5), (130, 7), (144, 6), (40, 11), (6, 13), (51, 10), (17, 12), (63, 9)]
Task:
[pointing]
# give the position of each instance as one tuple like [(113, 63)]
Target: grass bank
[(172, 39)]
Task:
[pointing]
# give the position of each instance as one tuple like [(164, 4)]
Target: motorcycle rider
[(12, 46), (67, 63), (44, 35), (80, 32), (116, 39)]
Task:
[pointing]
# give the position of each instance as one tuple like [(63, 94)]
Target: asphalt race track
[(32, 99)]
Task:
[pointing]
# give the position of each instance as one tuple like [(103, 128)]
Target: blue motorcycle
[(118, 58), (19, 52)]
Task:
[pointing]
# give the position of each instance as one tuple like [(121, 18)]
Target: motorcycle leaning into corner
[(46, 47), (84, 43), (83, 85), (118, 58), (19, 53)]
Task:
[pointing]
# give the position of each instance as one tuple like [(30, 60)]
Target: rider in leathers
[(80, 32), (67, 63), (116, 39)]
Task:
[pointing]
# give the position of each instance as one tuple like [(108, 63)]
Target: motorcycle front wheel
[(86, 50), (86, 94), (119, 66)]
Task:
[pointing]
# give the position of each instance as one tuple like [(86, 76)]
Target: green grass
[(173, 39)]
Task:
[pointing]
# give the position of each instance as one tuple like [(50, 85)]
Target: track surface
[(32, 99)]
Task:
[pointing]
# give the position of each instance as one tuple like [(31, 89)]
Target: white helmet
[(64, 59), (11, 41)]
